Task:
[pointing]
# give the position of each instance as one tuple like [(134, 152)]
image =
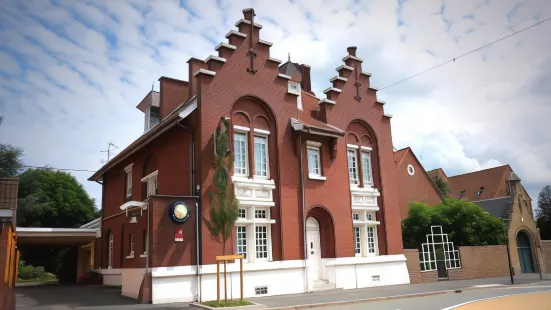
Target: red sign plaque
[(178, 235)]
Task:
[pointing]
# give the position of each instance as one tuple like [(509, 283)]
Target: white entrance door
[(314, 249)]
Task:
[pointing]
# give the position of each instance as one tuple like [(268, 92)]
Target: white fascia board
[(237, 33), (345, 58), (265, 42), (248, 22), (340, 78), (344, 67), (226, 45), (213, 57), (190, 108), (204, 71), (325, 100), (284, 76), (275, 60), (332, 89)]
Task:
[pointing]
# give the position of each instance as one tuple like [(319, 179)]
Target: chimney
[(248, 14), (306, 84), (352, 50)]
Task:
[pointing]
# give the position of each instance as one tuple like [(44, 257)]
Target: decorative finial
[(152, 85), (289, 57)]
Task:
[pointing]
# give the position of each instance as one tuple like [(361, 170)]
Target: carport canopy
[(55, 236)]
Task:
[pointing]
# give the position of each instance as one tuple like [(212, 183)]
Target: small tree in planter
[(223, 204)]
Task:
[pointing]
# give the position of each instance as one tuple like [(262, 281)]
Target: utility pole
[(110, 148)]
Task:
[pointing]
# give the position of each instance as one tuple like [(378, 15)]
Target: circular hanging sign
[(179, 212)]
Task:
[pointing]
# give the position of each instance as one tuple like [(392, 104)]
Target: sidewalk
[(394, 291)]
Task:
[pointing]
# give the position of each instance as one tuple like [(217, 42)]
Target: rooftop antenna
[(110, 147)]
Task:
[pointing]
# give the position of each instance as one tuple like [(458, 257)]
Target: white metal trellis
[(428, 251)]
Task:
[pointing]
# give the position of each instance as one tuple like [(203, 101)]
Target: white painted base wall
[(180, 284), (131, 281), (112, 277)]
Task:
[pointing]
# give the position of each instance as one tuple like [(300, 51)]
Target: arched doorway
[(524, 253), (314, 247)]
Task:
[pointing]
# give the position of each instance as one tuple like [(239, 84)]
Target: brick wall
[(476, 262), (7, 297), (546, 253)]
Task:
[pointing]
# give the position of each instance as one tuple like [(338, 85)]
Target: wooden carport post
[(226, 258)]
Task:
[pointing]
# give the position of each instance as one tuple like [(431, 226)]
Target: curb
[(359, 301)]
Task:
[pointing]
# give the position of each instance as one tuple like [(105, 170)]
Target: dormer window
[(152, 118), (460, 194), (480, 191)]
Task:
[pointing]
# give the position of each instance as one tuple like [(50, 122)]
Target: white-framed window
[(261, 156), (357, 241), (242, 213), (356, 216), (370, 216), (371, 240), (240, 153), (366, 167), (260, 214), (261, 239), (128, 171), (151, 184), (352, 166), (314, 162), (241, 237), (131, 243), (110, 257)]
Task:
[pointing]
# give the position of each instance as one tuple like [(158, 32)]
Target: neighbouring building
[(9, 254), (415, 185), (499, 191), (314, 175)]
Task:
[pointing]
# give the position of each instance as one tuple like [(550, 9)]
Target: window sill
[(143, 255), (317, 177), (130, 256)]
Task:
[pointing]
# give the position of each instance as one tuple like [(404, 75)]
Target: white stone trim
[(151, 175), (352, 146), (381, 102), (275, 60), (204, 71), (265, 42), (387, 115), (345, 58), (261, 131), (366, 148), (340, 78), (248, 22), (224, 44), (313, 143), (338, 90), (366, 73), (128, 168), (236, 33), (317, 177), (344, 67), (284, 76), (325, 100), (213, 57), (373, 88), (241, 128), (365, 260)]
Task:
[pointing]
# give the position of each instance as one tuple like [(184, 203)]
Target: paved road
[(438, 302), (532, 301)]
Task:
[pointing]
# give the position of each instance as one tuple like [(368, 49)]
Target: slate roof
[(497, 207)]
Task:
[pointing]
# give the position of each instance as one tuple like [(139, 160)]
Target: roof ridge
[(503, 166)]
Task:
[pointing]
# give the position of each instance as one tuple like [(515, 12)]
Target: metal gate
[(439, 254)]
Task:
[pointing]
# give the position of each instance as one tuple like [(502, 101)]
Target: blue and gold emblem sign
[(179, 212)]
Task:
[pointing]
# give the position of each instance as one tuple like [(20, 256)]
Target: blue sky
[(72, 72)]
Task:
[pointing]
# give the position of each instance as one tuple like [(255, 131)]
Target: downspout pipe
[(303, 209), (197, 252)]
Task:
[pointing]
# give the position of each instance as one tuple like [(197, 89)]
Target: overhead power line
[(465, 54), (61, 169)]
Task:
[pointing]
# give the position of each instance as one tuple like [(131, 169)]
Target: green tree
[(223, 204), (465, 223), (10, 160), (443, 187), (543, 213)]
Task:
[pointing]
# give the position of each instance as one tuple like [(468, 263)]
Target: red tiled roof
[(493, 181), (309, 115)]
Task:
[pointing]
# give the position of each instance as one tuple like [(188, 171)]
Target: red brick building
[(315, 177)]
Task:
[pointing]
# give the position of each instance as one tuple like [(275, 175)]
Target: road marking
[(473, 301)]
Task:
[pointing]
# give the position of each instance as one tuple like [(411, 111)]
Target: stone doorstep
[(254, 306), (361, 301)]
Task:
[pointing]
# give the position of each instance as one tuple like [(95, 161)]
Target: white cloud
[(85, 65)]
